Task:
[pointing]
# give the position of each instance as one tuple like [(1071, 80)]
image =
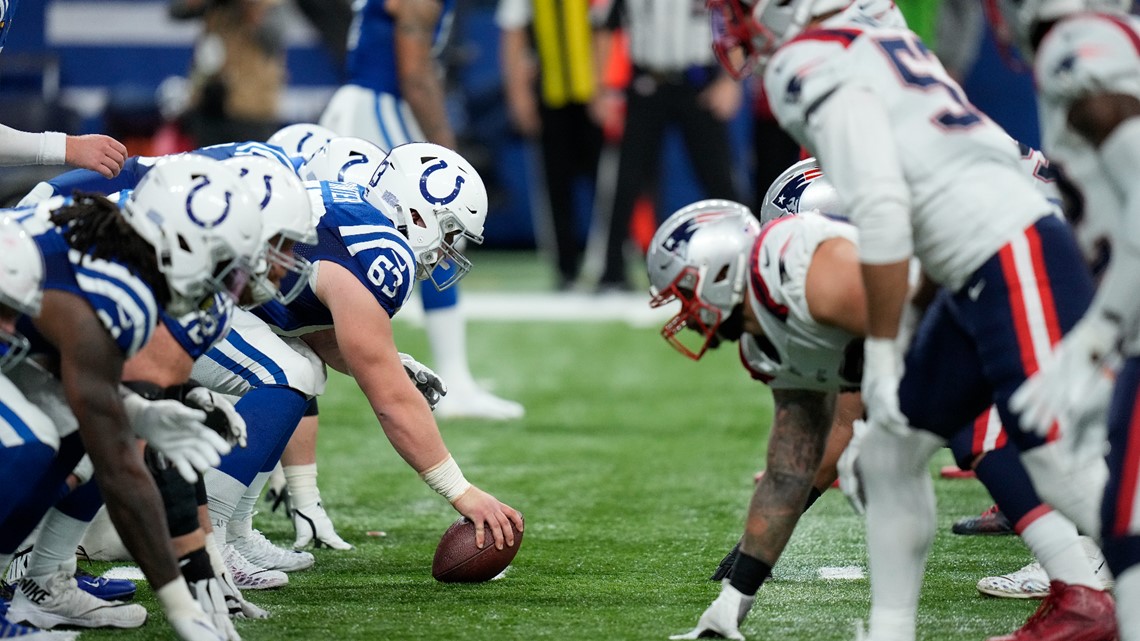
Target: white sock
[(1057, 546), (900, 526), (224, 492), (446, 330), (302, 482), (1127, 594), (243, 511), (238, 528), (55, 547), (1072, 486), (215, 553)]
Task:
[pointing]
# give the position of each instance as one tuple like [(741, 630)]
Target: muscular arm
[(161, 361), (420, 83), (834, 287), (90, 368), (795, 448)]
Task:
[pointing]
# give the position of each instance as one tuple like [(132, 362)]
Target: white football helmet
[(286, 219), (204, 226), (435, 198), (802, 187), (21, 286), (747, 32), (345, 160), (301, 140), (699, 256), (1025, 17)]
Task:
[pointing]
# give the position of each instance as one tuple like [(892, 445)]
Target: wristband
[(447, 479)]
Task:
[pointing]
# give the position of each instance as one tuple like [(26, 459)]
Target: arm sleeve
[(1116, 296), (24, 148), (852, 138)]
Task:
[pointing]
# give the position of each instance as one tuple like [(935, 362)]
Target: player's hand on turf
[(210, 595), (882, 370), (849, 480), (177, 432), (194, 625), (427, 382), (722, 619), (1068, 377), (313, 526), (486, 511), (102, 154), (228, 422)]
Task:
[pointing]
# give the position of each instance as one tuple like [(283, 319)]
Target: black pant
[(570, 143), (652, 105)]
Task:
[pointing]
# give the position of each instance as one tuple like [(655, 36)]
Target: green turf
[(633, 467)]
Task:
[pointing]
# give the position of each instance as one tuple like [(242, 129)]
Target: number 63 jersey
[(968, 196), (353, 232)]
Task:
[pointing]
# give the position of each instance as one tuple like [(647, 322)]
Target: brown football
[(457, 560)]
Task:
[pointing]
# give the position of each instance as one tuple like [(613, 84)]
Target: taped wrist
[(447, 479), (749, 573), (178, 497), (196, 566)]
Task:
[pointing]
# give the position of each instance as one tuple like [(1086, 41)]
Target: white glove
[(313, 525), (210, 595), (1068, 377), (882, 370), (207, 401), (427, 382), (723, 617), (849, 480), (198, 627), (177, 432)]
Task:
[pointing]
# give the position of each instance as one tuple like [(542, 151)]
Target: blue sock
[(19, 466), (82, 503), (1004, 476), (271, 415)]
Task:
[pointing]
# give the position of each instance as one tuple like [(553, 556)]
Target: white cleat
[(1032, 582), (477, 403), (46, 602), (259, 551), (9, 630), (247, 576), (314, 526)]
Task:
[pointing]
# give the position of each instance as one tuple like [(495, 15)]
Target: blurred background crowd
[(542, 94)]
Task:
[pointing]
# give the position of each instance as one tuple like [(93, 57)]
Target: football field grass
[(633, 467)]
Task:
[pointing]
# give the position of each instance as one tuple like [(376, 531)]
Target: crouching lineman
[(109, 272), (373, 243)]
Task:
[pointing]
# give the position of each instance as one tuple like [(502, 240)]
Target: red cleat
[(1069, 613)]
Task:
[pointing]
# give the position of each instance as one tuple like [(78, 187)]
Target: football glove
[(849, 481), (723, 617), (210, 595), (882, 370), (1068, 377), (220, 414), (426, 381), (177, 432), (313, 525), (724, 570)]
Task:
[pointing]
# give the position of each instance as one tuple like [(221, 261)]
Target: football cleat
[(19, 566), (9, 630), (104, 588), (46, 602), (1031, 581), (1069, 613), (313, 525), (259, 551), (990, 523), (247, 576)]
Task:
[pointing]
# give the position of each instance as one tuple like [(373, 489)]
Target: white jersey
[(968, 195), (1083, 54), (796, 352)]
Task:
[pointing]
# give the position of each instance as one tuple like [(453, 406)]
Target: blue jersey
[(7, 13), (355, 234), (372, 42), (137, 166), (122, 301), (197, 332)]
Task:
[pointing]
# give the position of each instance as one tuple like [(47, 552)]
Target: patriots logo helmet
[(802, 187)]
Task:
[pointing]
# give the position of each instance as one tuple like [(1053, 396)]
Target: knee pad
[(179, 497)]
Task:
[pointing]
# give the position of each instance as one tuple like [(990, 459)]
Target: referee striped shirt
[(664, 35), (561, 33)]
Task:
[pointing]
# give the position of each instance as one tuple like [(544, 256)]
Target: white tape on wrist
[(176, 599), (447, 479)]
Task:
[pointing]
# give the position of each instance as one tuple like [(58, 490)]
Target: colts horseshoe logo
[(435, 200), (207, 224)]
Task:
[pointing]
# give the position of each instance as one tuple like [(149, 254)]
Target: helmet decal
[(788, 200), (358, 158), (206, 224), (435, 200)]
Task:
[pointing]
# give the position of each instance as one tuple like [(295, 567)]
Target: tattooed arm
[(420, 81), (795, 448)]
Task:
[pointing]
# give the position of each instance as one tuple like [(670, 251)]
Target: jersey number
[(379, 273), (918, 68)]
